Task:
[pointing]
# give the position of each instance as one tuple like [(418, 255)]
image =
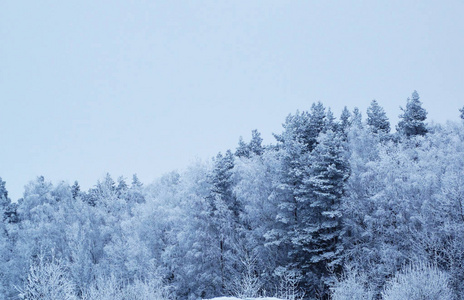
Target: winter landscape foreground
[(234, 298), (335, 209)]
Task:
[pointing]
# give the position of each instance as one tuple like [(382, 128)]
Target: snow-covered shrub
[(419, 281), (248, 284), (47, 280), (288, 288), (147, 290), (110, 288), (104, 288), (352, 285)]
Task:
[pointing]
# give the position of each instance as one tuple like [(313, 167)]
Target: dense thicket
[(333, 207)]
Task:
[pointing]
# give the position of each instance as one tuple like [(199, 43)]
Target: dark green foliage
[(331, 123), (255, 145), (243, 149), (413, 117), (377, 120), (316, 239), (356, 118), (8, 208), (75, 190), (253, 148), (317, 124)]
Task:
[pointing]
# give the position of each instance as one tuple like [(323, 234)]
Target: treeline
[(335, 208)]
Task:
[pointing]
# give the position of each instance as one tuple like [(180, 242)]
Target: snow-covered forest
[(335, 208)]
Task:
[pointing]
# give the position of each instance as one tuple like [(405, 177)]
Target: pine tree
[(345, 121), (255, 145), (301, 213), (317, 236), (9, 209), (317, 124), (225, 211), (243, 149), (75, 190), (122, 187), (222, 181), (377, 119), (293, 153), (356, 118), (461, 110), (413, 117), (134, 193), (331, 123), (4, 200), (6, 242), (253, 148), (136, 182)]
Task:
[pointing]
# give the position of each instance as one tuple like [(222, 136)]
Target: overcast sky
[(146, 87)]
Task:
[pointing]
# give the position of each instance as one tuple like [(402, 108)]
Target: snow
[(234, 298)]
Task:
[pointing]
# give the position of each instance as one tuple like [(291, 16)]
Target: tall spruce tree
[(221, 180), (313, 174), (413, 117), (356, 118), (4, 200), (377, 120), (292, 155), (345, 121), (243, 149), (253, 148), (317, 235), (225, 211), (6, 241), (317, 124), (75, 190), (255, 145), (331, 123)]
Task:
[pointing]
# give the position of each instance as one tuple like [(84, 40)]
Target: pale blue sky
[(146, 87)]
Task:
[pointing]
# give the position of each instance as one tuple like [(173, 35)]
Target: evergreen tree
[(122, 187), (75, 190), (136, 182), (316, 239), (243, 149), (317, 124), (3, 191), (221, 180), (8, 208), (298, 213), (331, 123), (135, 193), (4, 200), (293, 157), (461, 110), (224, 211), (345, 120), (413, 117), (356, 118), (377, 119), (255, 145)]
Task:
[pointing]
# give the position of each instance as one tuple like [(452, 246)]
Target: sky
[(148, 87)]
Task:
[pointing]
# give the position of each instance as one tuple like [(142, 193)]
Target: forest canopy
[(335, 207)]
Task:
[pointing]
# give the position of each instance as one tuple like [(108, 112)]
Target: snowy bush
[(104, 288), (110, 288), (351, 286), (288, 288), (47, 280), (248, 284), (420, 281), (147, 290)]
